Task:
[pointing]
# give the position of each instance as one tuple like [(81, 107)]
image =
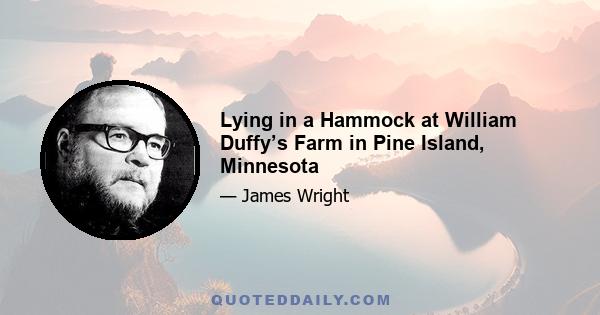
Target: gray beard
[(84, 189)]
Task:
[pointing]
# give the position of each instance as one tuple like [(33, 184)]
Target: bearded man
[(110, 153)]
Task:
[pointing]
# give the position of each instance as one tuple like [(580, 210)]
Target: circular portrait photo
[(119, 160)]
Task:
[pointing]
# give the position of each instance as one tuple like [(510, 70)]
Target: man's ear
[(63, 145)]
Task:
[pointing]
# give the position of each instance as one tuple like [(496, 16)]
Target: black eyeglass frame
[(139, 137)]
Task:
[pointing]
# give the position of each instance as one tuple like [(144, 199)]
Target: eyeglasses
[(124, 139)]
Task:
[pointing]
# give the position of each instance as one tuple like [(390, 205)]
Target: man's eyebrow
[(116, 124), (122, 125), (134, 129)]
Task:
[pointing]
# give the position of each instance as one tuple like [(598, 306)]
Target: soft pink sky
[(303, 11)]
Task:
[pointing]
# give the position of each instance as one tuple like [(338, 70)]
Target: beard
[(93, 198)]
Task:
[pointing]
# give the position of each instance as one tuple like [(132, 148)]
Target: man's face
[(124, 181)]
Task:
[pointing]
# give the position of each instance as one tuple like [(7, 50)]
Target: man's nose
[(139, 155)]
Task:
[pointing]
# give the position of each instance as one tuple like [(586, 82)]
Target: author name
[(326, 197)]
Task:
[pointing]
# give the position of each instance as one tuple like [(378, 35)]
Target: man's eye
[(155, 145), (119, 136)]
